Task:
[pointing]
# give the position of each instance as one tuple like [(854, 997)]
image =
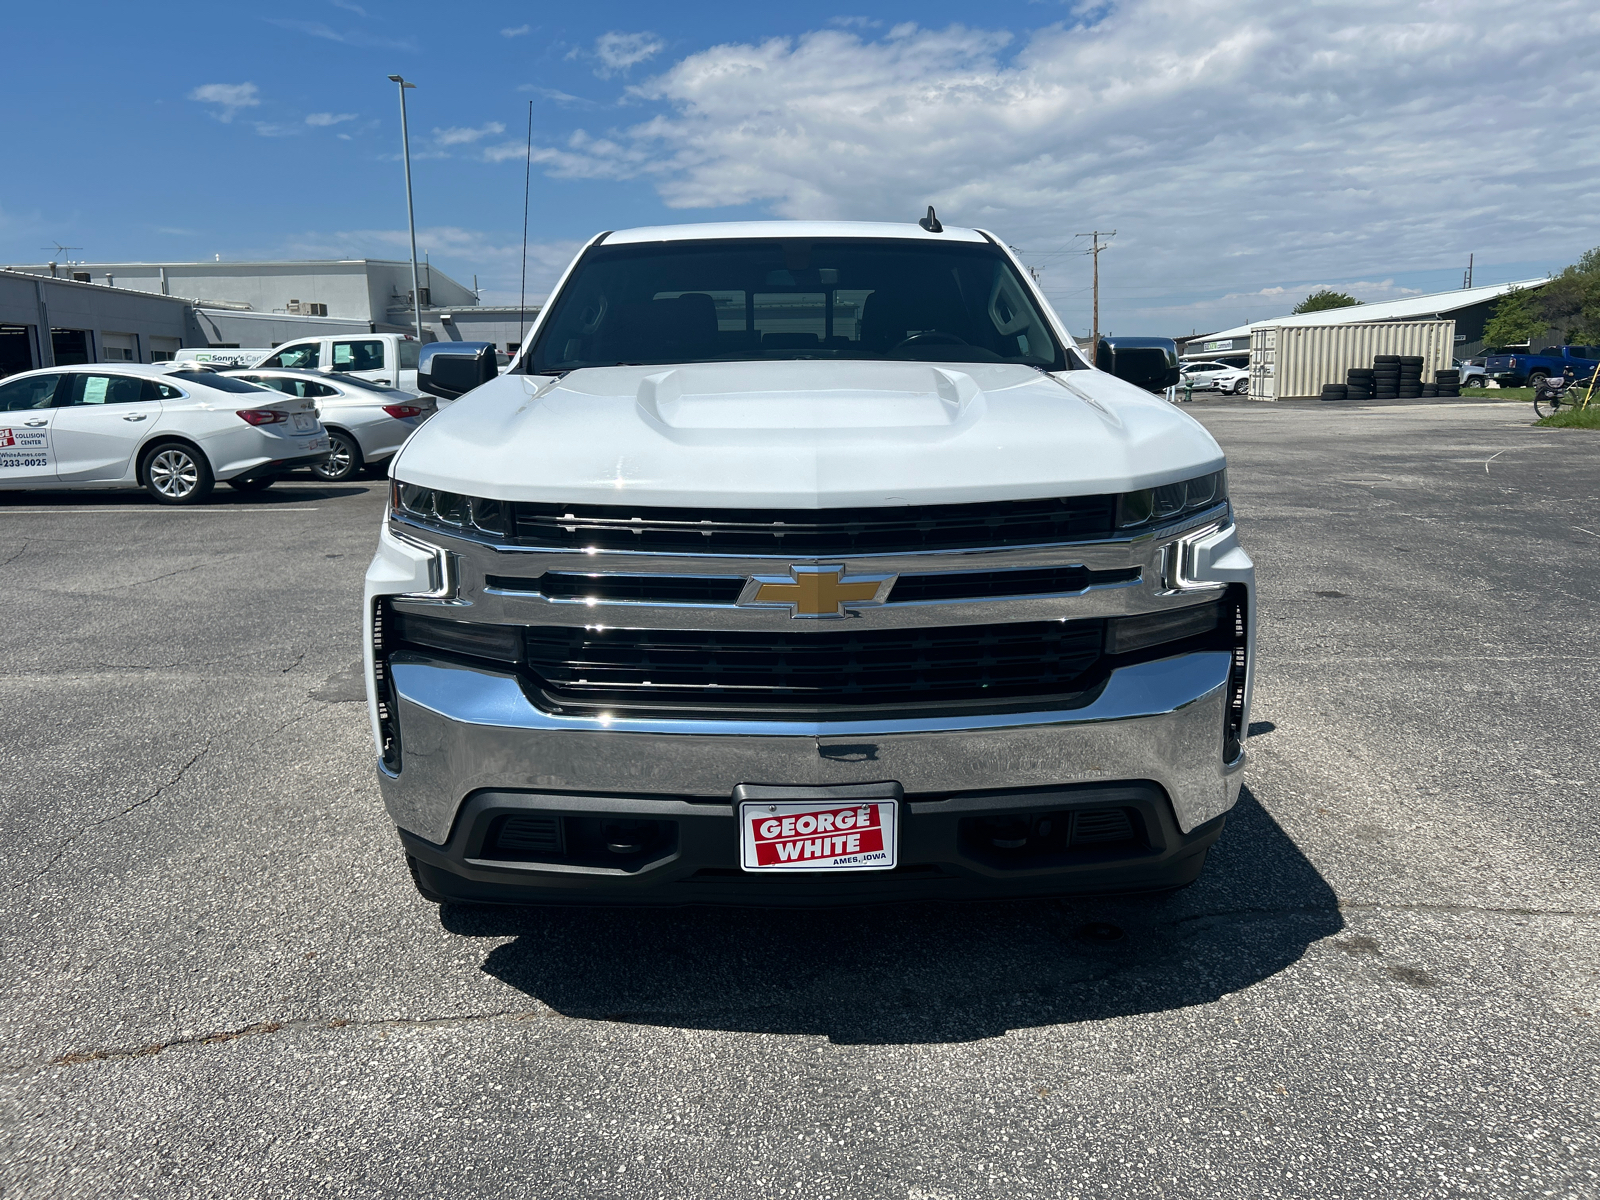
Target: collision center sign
[(809, 835)]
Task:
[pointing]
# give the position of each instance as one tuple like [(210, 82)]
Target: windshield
[(710, 301)]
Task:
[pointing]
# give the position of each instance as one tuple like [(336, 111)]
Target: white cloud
[(563, 98), (618, 52), (227, 98), (349, 7), (350, 37), (273, 130), (517, 32), (465, 136), (329, 118), (1233, 145)]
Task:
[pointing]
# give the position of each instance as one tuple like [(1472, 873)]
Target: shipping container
[(1292, 362)]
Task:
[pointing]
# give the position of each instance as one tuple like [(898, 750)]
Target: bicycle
[(1554, 394)]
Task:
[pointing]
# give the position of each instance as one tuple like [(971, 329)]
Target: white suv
[(800, 563)]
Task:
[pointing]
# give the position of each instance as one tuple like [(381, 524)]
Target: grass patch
[(1574, 418), (1498, 393)]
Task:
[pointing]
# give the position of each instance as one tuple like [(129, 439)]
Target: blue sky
[(1246, 151)]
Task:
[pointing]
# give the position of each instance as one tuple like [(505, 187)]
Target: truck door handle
[(135, 416), (36, 424)]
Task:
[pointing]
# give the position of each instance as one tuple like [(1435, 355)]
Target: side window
[(104, 389), (317, 391), (358, 356), (289, 387), (411, 353), (167, 392), (34, 392), (303, 357)]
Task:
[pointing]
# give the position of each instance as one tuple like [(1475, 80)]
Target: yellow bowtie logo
[(815, 591)]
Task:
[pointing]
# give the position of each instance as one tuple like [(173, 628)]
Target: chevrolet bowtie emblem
[(815, 591)]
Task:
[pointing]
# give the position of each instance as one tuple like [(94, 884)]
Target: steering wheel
[(931, 337)]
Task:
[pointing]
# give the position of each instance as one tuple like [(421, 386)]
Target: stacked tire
[(1410, 376), (1385, 376), (1447, 382), (1358, 383), (1335, 391)]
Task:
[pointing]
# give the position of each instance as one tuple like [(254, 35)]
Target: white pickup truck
[(802, 563), (389, 359)]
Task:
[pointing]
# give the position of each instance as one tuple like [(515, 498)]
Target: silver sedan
[(366, 422)]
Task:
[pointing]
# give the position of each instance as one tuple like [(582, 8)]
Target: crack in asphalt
[(262, 1028), (140, 803), (105, 820), (210, 562), (15, 556)]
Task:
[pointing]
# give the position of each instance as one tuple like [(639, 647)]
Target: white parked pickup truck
[(389, 359), (802, 563)]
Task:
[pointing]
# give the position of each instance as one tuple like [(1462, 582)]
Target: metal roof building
[(260, 303), (1469, 308)]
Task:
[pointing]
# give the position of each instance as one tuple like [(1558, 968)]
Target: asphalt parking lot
[(218, 981)]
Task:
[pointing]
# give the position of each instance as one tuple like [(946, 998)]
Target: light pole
[(411, 219)]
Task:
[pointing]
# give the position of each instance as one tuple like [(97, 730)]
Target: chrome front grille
[(721, 590), (969, 627), (811, 534)]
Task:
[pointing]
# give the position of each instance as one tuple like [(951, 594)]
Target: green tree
[(1323, 299), (1516, 320), (1570, 303)]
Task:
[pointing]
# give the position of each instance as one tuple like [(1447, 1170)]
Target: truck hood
[(806, 434)]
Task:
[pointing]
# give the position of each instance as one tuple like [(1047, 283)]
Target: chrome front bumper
[(465, 729)]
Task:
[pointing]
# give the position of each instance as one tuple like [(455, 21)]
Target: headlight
[(1171, 501), (450, 511)]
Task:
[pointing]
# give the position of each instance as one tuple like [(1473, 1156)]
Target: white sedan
[(1206, 375), (366, 422), (175, 433)]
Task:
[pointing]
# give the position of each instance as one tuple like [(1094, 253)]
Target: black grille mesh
[(798, 532), (683, 668)]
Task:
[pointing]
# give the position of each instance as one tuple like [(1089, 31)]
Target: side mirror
[(452, 369), (1148, 363)]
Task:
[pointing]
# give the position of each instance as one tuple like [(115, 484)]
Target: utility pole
[(1467, 282), (1095, 247), (405, 145)]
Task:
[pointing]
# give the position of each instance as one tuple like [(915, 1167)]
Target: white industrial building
[(48, 322), (53, 314), (265, 303), (1469, 308)]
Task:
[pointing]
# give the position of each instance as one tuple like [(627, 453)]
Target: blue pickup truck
[(1525, 370)]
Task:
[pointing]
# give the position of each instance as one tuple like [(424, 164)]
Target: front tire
[(1549, 406), (177, 474), (1241, 387), (344, 459)]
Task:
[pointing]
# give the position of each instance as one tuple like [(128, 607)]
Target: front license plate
[(811, 835), (304, 422)]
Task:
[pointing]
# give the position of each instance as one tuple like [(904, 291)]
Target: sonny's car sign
[(817, 836)]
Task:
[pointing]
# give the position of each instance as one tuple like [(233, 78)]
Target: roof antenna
[(931, 222)]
